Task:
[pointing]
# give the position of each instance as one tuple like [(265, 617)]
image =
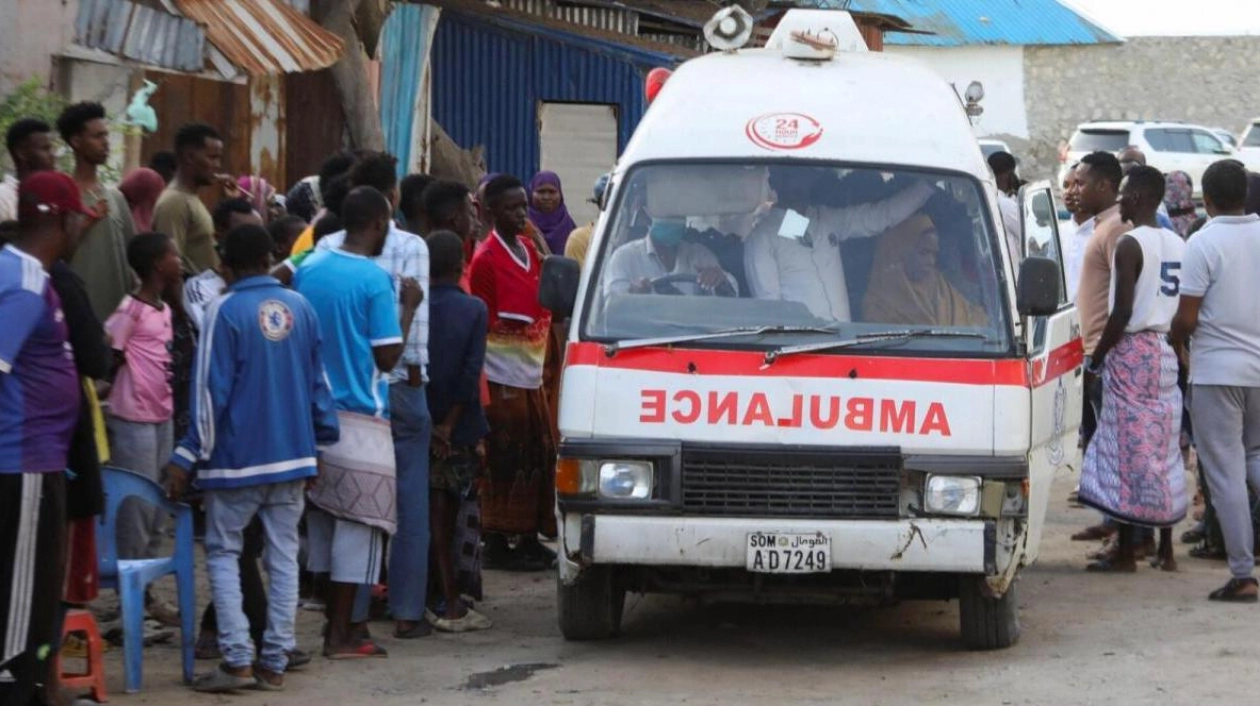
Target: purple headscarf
[(1179, 200), (557, 225)]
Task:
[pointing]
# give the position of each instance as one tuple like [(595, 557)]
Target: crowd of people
[(1172, 360), (353, 381)]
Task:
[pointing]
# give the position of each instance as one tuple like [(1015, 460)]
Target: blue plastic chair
[(130, 577)]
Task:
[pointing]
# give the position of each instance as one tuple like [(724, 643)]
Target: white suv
[(1168, 146), (1249, 143)]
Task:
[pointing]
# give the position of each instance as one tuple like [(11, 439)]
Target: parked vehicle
[(741, 448), (1168, 146), (1249, 143), (988, 146)]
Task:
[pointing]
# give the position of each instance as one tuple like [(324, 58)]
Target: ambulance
[(806, 364)]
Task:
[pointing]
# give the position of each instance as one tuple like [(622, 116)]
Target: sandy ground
[(1148, 638)]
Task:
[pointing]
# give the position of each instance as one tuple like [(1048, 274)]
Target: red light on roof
[(656, 79)]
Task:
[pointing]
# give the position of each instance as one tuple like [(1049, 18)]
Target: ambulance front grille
[(795, 483)]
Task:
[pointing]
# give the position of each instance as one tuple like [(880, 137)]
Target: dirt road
[(1138, 639)]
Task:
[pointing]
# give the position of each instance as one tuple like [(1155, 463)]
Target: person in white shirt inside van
[(640, 266), (1133, 471), (1218, 310), (793, 252)]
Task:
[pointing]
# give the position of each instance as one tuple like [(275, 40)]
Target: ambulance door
[(1057, 375)]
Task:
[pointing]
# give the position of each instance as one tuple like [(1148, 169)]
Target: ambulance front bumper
[(908, 545)]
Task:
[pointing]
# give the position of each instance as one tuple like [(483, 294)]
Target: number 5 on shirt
[(1169, 274)]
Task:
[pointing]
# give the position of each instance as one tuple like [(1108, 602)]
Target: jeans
[(409, 546), (228, 512), (252, 587), (145, 448)]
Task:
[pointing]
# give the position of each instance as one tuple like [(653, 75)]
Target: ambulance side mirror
[(558, 289), (1037, 291)]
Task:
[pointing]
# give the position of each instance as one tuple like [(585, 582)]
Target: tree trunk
[(449, 161), (350, 75)]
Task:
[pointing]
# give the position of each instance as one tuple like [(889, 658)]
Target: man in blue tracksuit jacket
[(260, 405)]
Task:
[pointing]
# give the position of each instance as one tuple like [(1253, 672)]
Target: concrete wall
[(999, 68), (31, 32), (1211, 81)]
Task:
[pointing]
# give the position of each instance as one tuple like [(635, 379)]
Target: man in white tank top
[(1133, 469)]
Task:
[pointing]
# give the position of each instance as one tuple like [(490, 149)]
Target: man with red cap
[(39, 406)]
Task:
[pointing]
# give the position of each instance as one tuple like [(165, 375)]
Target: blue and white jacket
[(260, 400)]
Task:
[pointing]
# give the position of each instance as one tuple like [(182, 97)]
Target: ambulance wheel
[(987, 623), (590, 608)]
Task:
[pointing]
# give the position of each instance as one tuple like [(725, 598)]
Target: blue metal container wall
[(488, 81)]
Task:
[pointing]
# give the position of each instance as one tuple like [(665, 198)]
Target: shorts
[(350, 552), (455, 473)]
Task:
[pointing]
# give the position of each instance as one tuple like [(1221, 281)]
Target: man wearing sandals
[(1218, 310)]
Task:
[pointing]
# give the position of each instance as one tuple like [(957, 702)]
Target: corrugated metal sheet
[(264, 36), (405, 44), (490, 75), (127, 29), (606, 18), (955, 23)]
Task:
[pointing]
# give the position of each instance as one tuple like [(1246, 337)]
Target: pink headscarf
[(259, 193), (142, 187)]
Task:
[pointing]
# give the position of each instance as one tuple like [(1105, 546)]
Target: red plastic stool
[(80, 621)]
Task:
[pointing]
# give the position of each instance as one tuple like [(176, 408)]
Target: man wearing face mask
[(664, 252)]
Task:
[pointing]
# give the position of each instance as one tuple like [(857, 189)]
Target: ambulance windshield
[(700, 248)]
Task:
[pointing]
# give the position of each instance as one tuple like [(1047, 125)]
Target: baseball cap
[(48, 193)]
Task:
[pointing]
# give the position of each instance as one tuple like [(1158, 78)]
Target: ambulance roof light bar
[(816, 35)]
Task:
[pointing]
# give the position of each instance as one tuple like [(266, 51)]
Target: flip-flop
[(221, 681), (1230, 592), (1109, 566), (367, 649)]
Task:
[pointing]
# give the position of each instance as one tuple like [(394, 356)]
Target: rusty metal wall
[(267, 128), (184, 99), (316, 125)]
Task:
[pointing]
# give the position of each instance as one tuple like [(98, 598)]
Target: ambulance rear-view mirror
[(558, 289), (1037, 291)]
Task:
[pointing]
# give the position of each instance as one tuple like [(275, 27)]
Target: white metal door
[(1055, 354), (578, 141)]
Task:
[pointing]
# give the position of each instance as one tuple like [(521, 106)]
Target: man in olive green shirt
[(101, 259), (180, 213)]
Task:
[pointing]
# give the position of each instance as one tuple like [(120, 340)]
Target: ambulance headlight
[(952, 495), (625, 479)]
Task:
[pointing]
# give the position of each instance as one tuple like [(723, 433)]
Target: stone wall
[(1210, 81)]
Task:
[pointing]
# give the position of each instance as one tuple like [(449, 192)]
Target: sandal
[(298, 658), (1108, 565), (267, 680), (470, 621), (366, 649), (222, 681), (1233, 591), (1207, 552), (1094, 532)]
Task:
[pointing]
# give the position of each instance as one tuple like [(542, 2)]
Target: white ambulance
[(804, 363)]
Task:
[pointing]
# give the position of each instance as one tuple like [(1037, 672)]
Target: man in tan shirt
[(1098, 179), (179, 212)]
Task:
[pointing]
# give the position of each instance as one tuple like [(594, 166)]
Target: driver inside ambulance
[(793, 253), (639, 266)]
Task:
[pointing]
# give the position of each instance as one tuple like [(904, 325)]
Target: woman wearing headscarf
[(548, 212), (262, 195), (141, 188), (908, 287), (1179, 201)]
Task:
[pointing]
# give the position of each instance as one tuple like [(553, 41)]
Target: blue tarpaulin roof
[(956, 23)]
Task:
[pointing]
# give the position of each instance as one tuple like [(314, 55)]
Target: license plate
[(789, 553)]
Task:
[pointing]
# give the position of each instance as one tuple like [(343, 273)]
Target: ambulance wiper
[(612, 349), (905, 334)]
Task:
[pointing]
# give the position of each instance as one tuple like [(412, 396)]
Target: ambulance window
[(813, 249)]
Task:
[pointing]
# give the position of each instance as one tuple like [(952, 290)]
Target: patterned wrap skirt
[(519, 493), (1133, 470)]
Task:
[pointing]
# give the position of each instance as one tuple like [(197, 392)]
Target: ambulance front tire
[(590, 608), (987, 623)]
